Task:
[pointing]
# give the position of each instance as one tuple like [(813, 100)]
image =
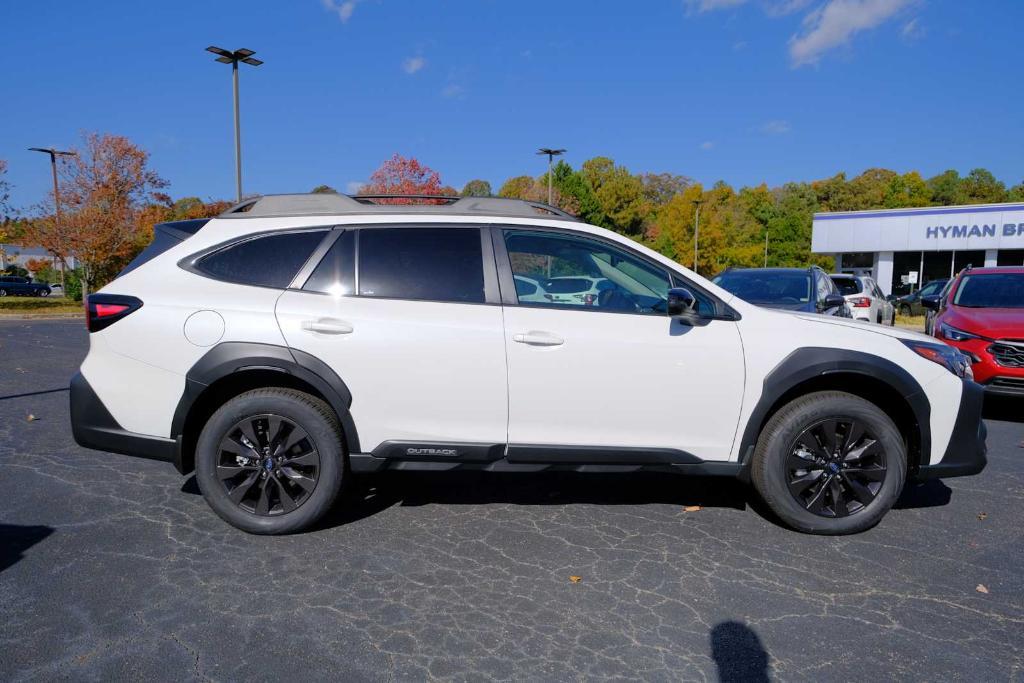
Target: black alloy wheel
[(836, 467), (267, 464)]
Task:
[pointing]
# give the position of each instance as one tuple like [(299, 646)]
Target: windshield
[(933, 287), (847, 285), (767, 287), (997, 290)]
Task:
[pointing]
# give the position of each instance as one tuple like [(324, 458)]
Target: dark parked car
[(21, 286), (810, 290), (910, 304)]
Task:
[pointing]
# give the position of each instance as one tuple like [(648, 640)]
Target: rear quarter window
[(264, 261)]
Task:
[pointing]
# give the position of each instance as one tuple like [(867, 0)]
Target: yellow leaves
[(575, 579), (981, 588)]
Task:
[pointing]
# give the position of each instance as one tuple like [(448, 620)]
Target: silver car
[(865, 299)]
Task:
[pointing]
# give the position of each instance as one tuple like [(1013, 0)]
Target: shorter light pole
[(552, 153), (766, 248), (54, 153), (696, 230), (233, 58)]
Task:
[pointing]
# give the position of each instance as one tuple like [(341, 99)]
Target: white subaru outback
[(296, 339)]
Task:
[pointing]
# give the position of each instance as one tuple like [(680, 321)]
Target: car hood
[(860, 326), (995, 323)]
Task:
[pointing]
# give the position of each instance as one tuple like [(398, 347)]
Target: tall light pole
[(54, 153), (552, 153), (696, 230), (766, 248), (233, 58)]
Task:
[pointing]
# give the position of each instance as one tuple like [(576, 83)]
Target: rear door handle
[(534, 338), (327, 326)]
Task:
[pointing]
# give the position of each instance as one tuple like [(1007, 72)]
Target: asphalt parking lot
[(114, 568)]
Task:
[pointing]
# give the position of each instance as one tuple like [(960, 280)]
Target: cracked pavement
[(114, 568)]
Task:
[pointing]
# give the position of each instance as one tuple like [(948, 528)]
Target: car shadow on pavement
[(738, 654), (366, 495), (15, 539), (1006, 408)]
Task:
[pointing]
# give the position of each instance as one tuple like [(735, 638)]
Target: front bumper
[(965, 454), (94, 427)]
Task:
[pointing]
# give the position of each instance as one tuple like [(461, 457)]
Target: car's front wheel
[(271, 461), (830, 463)]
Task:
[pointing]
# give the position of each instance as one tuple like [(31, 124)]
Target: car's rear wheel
[(3, 292), (830, 463), (905, 311), (271, 461)]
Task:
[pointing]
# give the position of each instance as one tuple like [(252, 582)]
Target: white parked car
[(529, 289), (297, 339), (865, 298)]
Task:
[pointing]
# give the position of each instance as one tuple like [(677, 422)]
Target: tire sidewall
[(323, 432), (787, 425)]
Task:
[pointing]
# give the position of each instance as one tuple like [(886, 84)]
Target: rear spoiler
[(165, 236)]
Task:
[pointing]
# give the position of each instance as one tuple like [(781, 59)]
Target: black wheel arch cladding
[(228, 358), (811, 363)]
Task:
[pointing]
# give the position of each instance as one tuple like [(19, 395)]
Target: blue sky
[(741, 90)]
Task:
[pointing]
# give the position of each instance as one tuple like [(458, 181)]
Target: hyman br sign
[(999, 226)]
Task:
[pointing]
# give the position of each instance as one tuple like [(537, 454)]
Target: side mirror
[(681, 303), (930, 302), (833, 301)]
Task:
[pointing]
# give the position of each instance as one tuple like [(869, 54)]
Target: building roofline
[(921, 211)]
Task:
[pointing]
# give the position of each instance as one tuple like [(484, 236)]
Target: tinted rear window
[(267, 261), (767, 287), (847, 285), (1002, 290), (336, 273), (436, 264)]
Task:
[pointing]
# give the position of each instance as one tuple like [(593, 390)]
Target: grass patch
[(27, 305), (912, 322)]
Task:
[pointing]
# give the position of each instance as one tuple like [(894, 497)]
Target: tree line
[(111, 198)]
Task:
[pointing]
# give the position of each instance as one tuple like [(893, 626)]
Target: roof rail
[(329, 203)]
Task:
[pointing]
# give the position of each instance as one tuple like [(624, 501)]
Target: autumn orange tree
[(404, 176), (105, 189)]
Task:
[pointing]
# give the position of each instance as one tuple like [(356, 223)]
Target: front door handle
[(534, 338), (327, 326)]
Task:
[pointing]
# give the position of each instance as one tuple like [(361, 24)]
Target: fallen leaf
[(575, 579), (32, 418), (981, 588), (691, 508), (982, 515)]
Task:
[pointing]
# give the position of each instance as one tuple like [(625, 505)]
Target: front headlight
[(953, 334), (952, 359)]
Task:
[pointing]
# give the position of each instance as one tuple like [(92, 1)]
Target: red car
[(982, 314)]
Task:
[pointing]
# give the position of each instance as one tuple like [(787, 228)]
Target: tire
[(779, 462), (44, 292), (905, 311), (3, 292), (263, 493)]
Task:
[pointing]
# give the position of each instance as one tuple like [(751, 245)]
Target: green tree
[(981, 187), (518, 187), (477, 188), (620, 195), (324, 189), (946, 189)]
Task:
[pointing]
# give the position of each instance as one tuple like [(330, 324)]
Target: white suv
[(297, 339)]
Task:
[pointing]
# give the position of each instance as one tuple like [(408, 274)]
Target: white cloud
[(776, 127), (354, 186), (413, 64), (707, 145), (781, 8), (913, 30), (453, 90), (343, 9), (835, 23), (739, 45), (712, 5)]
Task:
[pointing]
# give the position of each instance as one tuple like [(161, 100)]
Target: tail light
[(861, 302), (589, 299), (103, 310)]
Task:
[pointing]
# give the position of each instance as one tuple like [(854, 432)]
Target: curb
[(40, 316)]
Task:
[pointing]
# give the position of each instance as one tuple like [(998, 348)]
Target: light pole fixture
[(54, 153), (552, 153), (233, 58), (696, 230)]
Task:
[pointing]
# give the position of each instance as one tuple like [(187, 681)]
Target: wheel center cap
[(833, 467), (268, 464)]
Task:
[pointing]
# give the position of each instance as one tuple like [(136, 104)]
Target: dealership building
[(903, 249)]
